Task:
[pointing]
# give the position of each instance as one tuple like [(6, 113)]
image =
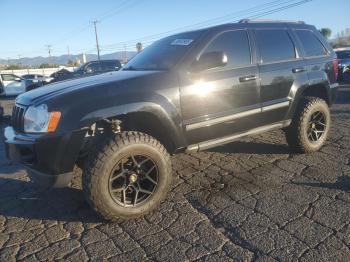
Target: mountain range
[(63, 59)]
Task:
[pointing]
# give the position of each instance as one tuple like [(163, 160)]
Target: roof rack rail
[(269, 21)]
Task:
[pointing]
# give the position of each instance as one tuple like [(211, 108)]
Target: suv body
[(187, 92), (90, 68), (344, 65), (98, 67), (36, 78)]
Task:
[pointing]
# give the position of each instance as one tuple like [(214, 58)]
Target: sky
[(27, 27)]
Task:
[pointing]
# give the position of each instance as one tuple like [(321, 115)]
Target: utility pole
[(68, 53), (97, 45), (125, 55), (49, 50), (19, 59)]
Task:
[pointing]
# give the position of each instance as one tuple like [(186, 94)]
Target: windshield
[(343, 54), (165, 53)]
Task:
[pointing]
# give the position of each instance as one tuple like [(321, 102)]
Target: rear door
[(220, 101), (280, 67)]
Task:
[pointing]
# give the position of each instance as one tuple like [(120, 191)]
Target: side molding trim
[(223, 119), (275, 106), (228, 118)]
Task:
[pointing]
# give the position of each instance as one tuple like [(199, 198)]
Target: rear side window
[(235, 45), (110, 65), (275, 45), (311, 44)]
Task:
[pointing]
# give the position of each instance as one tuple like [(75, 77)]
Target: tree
[(139, 47), (13, 67), (326, 32), (72, 63), (46, 65), (342, 39)]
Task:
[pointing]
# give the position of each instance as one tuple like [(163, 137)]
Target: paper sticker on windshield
[(182, 42)]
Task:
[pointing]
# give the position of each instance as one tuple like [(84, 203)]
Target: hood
[(55, 89)]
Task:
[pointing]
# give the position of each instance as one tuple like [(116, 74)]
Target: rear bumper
[(49, 158)]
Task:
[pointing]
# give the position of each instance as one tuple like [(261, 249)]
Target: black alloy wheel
[(317, 126), (133, 180)]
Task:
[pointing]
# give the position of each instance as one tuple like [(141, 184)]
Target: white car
[(12, 85)]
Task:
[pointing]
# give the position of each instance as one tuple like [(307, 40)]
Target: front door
[(222, 101)]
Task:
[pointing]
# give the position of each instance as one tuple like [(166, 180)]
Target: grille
[(18, 118)]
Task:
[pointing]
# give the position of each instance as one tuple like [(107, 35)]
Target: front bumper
[(49, 158), (333, 92)]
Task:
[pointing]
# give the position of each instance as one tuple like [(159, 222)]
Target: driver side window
[(235, 45)]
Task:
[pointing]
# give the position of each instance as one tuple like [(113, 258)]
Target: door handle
[(247, 78), (298, 70)]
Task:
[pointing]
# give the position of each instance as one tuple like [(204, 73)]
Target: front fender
[(166, 115)]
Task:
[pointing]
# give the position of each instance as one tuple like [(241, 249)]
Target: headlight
[(39, 120)]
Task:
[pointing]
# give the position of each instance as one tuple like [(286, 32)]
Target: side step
[(227, 139)]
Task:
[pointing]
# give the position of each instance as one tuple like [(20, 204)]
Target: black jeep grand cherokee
[(186, 92)]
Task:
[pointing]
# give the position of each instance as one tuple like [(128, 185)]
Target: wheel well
[(149, 124), (316, 91)]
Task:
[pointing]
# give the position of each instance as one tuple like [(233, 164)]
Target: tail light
[(335, 69)]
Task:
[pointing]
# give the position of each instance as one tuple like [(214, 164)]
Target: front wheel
[(128, 176), (310, 126)]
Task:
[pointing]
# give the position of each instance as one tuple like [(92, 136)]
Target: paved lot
[(250, 200)]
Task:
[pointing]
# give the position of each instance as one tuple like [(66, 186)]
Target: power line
[(127, 4), (116, 10), (253, 12), (210, 22)]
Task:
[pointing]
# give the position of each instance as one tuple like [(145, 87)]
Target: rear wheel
[(310, 126), (127, 177)]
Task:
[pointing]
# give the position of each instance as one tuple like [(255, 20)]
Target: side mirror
[(210, 60), (18, 79)]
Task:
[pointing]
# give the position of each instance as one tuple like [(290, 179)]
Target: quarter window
[(235, 45), (311, 44), (275, 45)]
